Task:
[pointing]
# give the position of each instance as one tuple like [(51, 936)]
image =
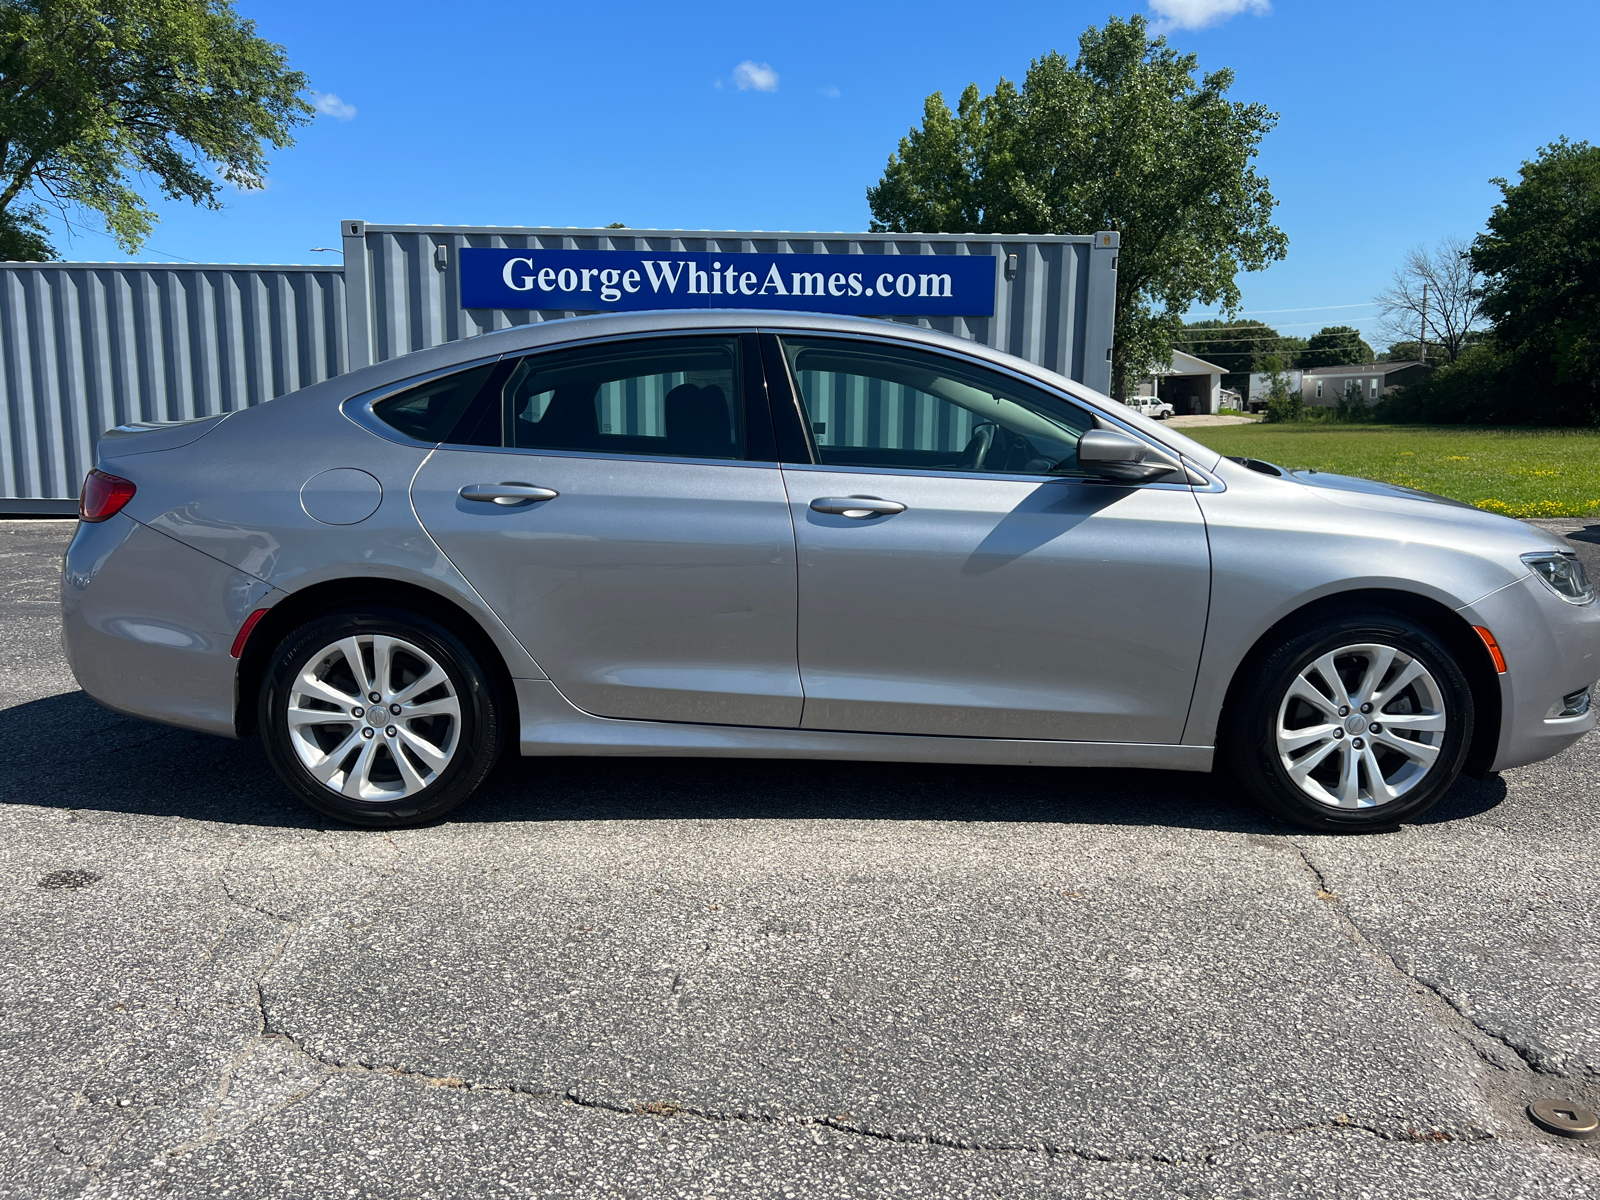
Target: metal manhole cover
[(68, 879), (1565, 1118)]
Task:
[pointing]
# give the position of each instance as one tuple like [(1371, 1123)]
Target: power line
[(1258, 312)]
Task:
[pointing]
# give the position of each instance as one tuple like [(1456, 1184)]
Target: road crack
[(1437, 1002)]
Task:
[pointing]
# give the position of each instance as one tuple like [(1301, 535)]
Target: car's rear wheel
[(1356, 723), (379, 717)]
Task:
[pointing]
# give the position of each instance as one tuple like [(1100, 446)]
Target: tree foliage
[(95, 94), (1540, 258), (23, 237), (1124, 138), (1238, 347), (1335, 345)]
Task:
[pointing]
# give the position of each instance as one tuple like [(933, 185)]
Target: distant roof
[(1380, 368), (1206, 367)]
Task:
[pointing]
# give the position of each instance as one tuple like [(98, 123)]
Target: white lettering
[(807, 283), (547, 279), (774, 280), (905, 285), (588, 271), (667, 275), (609, 278), (697, 276), (855, 285), (568, 279), (527, 280), (835, 285), (885, 289), (747, 283), (630, 281), (931, 284)]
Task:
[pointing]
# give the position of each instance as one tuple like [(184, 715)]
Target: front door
[(980, 585), (622, 533)]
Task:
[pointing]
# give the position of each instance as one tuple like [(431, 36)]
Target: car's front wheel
[(379, 717), (1355, 723)]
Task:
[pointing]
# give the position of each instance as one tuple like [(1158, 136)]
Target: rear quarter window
[(431, 411)]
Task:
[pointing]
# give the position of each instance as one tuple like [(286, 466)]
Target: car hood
[(1371, 487), (1349, 491)]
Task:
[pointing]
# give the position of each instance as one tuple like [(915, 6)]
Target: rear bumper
[(148, 624), (1551, 649)]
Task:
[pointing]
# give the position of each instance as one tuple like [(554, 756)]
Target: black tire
[(473, 742), (1250, 727)]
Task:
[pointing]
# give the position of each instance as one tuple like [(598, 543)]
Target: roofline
[(745, 234), (67, 265)]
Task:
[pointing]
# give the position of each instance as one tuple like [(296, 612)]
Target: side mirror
[(1113, 455)]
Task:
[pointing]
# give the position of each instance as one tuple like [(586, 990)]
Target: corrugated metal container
[(1054, 306), (86, 346)]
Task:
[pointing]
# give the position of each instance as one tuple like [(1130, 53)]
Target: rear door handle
[(857, 508), (507, 494)]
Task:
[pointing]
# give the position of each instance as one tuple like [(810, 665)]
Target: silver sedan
[(801, 537)]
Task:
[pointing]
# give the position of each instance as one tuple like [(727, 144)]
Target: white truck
[(1149, 406)]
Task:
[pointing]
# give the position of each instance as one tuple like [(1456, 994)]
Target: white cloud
[(832, 93), (753, 76), (1197, 14), (329, 104)]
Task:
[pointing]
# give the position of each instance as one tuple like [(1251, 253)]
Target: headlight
[(1563, 574)]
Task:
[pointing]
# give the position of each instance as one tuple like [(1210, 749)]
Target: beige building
[(1189, 384)]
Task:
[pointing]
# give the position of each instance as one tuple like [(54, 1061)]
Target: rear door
[(630, 526), (958, 574)]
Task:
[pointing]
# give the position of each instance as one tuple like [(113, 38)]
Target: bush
[(1287, 407), (1479, 388)]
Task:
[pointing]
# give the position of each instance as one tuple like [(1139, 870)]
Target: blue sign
[(869, 285)]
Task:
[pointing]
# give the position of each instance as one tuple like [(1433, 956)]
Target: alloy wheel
[(1361, 726), (374, 717)]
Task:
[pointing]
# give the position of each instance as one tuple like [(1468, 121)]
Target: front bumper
[(148, 624), (1551, 649)]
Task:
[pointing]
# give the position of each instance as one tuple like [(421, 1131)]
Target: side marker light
[(1493, 648), (246, 630)]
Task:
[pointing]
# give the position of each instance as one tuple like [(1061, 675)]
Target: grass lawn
[(1519, 472)]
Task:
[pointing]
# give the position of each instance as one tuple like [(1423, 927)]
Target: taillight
[(103, 496)]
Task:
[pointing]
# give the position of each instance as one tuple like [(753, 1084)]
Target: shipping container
[(87, 346)]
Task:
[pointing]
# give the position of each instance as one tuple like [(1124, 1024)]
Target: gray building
[(1324, 386)]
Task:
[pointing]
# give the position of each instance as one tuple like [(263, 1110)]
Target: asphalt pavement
[(644, 978)]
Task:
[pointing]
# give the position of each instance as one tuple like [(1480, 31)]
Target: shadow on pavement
[(67, 752)]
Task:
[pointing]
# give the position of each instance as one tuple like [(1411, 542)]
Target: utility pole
[(1422, 337)]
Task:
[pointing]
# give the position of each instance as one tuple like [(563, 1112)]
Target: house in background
[(1261, 382), (1322, 387), (1191, 385)]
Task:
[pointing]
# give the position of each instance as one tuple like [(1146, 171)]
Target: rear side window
[(430, 411), (674, 397)]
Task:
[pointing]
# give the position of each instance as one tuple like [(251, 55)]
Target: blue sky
[(1394, 117)]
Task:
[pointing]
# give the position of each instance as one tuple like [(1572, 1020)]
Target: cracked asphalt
[(674, 978)]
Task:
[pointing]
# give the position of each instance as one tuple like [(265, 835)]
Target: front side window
[(676, 397), (876, 405)]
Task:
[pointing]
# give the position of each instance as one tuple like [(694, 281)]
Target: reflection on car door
[(1011, 597), (657, 580)]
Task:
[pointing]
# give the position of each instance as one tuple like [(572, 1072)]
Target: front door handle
[(507, 494), (857, 508)]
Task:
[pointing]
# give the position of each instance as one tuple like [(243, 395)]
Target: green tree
[(1540, 257), (99, 95), (1284, 401), (1124, 138), (23, 236), (1335, 345), (1238, 347)]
